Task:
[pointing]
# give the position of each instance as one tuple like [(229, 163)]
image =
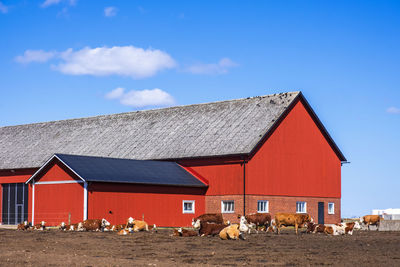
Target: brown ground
[(159, 249)]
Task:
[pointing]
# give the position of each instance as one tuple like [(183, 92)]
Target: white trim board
[(61, 182), (33, 202), (85, 200)]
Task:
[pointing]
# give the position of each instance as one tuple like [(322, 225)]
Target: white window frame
[(267, 206), (305, 207), (331, 210), (183, 206), (226, 201)]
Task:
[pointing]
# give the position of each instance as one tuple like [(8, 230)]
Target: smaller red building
[(72, 188)]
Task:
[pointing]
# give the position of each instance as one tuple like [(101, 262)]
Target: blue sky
[(64, 59)]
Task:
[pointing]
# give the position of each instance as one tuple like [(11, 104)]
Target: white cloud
[(35, 56), (110, 11), (120, 60), (141, 98), (393, 110), (221, 67), (116, 93), (3, 8), (101, 61), (48, 3)]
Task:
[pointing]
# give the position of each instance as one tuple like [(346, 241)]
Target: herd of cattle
[(214, 224)]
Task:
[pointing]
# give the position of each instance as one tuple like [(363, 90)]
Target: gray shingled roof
[(213, 129)]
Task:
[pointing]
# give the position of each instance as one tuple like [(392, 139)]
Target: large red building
[(262, 154)]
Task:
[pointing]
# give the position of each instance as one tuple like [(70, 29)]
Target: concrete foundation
[(390, 225)]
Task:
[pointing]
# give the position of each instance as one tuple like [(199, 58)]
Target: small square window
[(188, 206), (301, 207), (227, 206), (331, 208), (262, 206)]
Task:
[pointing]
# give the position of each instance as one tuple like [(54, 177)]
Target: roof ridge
[(149, 110)]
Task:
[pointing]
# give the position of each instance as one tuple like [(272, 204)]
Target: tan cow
[(231, 232), (371, 220), (291, 219), (137, 225)]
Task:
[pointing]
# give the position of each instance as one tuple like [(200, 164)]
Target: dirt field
[(159, 249)]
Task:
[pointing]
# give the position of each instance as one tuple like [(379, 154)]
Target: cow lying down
[(40, 226), (23, 226), (68, 227), (231, 232), (184, 232), (137, 226), (336, 229)]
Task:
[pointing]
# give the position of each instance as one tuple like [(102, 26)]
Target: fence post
[(69, 218)]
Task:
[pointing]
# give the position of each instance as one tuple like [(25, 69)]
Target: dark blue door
[(321, 218), (15, 203)]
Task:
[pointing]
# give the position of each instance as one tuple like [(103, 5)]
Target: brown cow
[(23, 226), (119, 227), (371, 220), (68, 227), (40, 226), (346, 228), (187, 233), (258, 219), (209, 217), (291, 219), (93, 225), (210, 228), (315, 228), (329, 230)]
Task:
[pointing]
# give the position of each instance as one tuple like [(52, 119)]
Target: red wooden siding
[(57, 172), (223, 178), (296, 160), (160, 205), (53, 202)]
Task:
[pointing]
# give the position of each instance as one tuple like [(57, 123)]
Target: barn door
[(321, 218), (15, 203)]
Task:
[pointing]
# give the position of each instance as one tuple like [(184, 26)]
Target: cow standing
[(291, 219), (371, 220), (259, 220), (208, 217)]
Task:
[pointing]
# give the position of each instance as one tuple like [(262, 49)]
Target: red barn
[(265, 154)]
